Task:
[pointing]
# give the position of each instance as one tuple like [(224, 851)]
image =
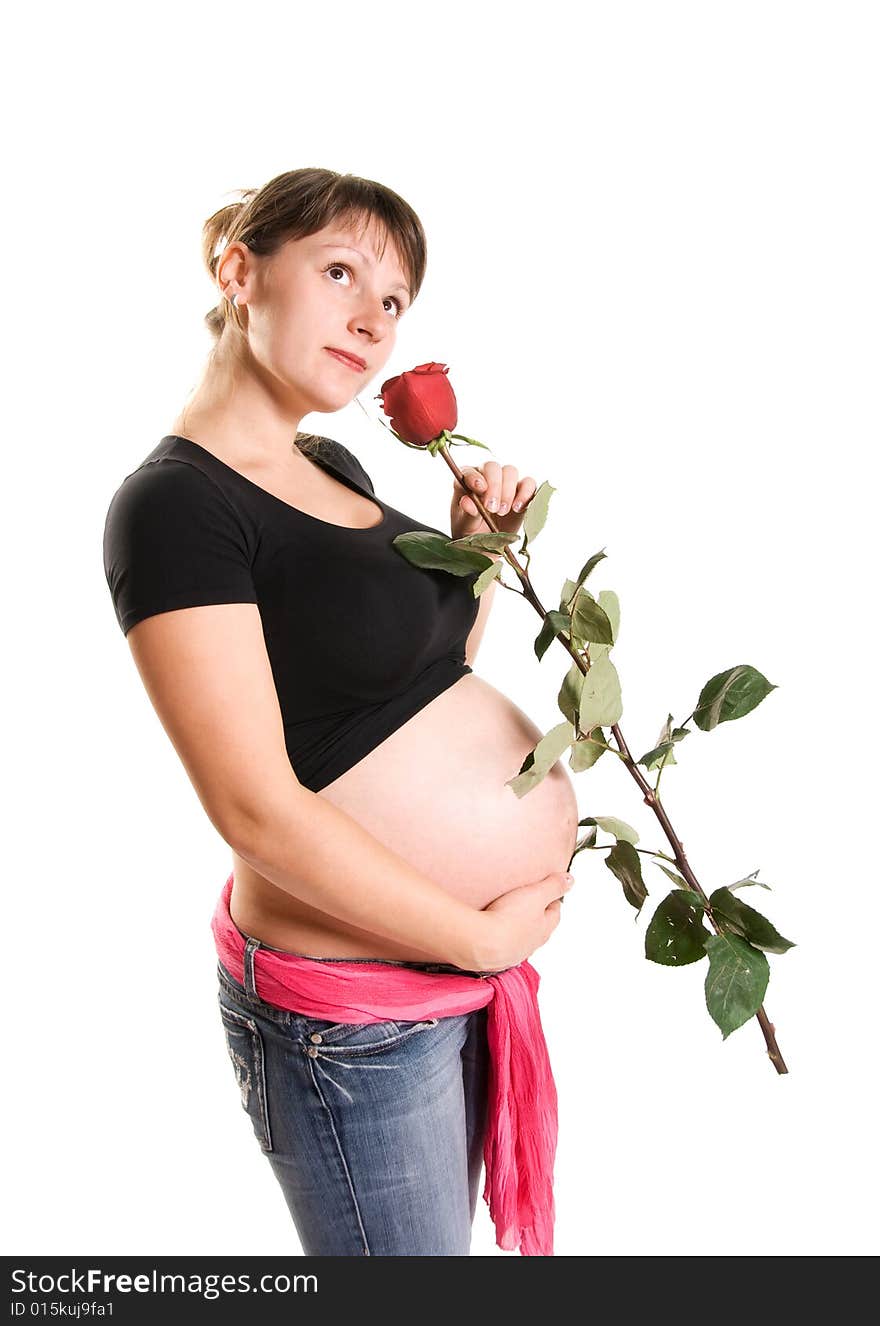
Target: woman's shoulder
[(173, 539), (340, 457), (166, 483)]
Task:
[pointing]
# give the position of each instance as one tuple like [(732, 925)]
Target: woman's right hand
[(519, 921)]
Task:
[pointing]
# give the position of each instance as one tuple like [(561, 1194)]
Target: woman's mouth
[(357, 364)]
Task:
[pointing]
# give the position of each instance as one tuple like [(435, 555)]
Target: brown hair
[(300, 203)]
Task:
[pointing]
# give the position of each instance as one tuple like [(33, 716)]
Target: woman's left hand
[(491, 482)]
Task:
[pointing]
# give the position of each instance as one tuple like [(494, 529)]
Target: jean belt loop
[(249, 983)]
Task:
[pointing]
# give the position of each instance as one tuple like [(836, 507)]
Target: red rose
[(420, 403)]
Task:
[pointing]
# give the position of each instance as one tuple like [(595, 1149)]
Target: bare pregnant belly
[(434, 793)]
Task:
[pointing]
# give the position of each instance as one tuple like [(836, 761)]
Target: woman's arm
[(479, 626), (208, 676), (313, 850), (497, 484)]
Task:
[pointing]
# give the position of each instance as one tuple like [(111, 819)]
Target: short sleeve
[(172, 540)]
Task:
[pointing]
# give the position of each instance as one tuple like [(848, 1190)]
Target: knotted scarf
[(521, 1127)]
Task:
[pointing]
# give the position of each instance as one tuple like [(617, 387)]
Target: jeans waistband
[(252, 944)]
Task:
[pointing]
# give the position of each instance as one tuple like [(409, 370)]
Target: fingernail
[(569, 875), (502, 509), (492, 504), (517, 506)]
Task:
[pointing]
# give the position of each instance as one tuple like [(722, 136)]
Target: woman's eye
[(344, 267)]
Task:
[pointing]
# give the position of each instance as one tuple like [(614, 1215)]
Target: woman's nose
[(368, 318), (364, 325)]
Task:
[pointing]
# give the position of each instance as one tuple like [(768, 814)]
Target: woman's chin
[(329, 400)]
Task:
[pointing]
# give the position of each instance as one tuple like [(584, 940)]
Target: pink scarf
[(520, 1144)]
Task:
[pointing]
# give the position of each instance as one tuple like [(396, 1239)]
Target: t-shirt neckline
[(324, 464)]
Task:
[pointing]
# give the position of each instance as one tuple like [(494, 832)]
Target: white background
[(653, 271)]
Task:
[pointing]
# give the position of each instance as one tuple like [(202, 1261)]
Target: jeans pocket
[(244, 1042), (356, 1038)]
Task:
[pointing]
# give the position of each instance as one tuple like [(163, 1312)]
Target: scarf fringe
[(520, 1147)]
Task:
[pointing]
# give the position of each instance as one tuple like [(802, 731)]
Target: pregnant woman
[(386, 888)]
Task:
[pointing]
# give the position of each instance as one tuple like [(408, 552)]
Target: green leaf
[(748, 923), (659, 757), (623, 862), (554, 622), (610, 605), (541, 760), (676, 935), (483, 581), (584, 844), (735, 982), (588, 565), (674, 734), (601, 704), (730, 694), (569, 589), (434, 552), (676, 879), (584, 753), (609, 824), (747, 881), (536, 513), (485, 541), (662, 752), (589, 621), (569, 697)]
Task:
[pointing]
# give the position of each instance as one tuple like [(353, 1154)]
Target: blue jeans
[(374, 1130)]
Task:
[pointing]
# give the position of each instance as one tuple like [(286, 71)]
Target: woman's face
[(327, 291)]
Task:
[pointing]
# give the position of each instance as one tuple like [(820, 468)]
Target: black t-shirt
[(359, 639)]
